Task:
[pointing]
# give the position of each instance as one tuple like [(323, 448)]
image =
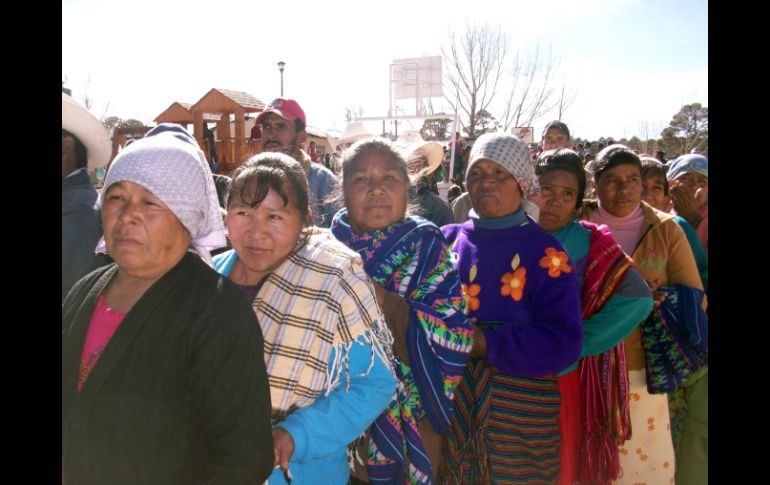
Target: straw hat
[(422, 157), (76, 119), (353, 132)]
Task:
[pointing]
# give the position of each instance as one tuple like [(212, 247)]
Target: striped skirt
[(504, 429)]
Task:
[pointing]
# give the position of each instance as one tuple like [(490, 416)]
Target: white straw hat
[(422, 157), (76, 119), (353, 132)]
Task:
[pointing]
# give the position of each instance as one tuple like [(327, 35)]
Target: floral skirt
[(648, 457)]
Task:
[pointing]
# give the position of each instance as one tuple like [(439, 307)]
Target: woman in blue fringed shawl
[(419, 289)]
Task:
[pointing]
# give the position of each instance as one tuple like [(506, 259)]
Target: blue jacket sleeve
[(332, 422)]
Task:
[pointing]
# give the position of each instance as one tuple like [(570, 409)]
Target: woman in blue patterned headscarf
[(419, 289)]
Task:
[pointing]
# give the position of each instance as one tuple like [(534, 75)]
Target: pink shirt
[(104, 322), (626, 230)]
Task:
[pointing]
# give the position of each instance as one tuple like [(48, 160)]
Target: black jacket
[(180, 393)]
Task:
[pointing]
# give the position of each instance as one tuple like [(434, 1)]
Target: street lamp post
[(280, 68)]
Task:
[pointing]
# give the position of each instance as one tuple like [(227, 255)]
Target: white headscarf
[(513, 154), (168, 163)]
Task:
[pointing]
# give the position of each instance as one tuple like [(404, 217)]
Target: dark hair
[(559, 126), (270, 170), (81, 154), (652, 167), (567, 160), (299, 125), (454, 192), (612, 156)]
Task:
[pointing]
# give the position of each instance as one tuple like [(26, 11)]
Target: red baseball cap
[(287, 109)]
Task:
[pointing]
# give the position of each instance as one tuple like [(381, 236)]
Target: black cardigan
[(180, 393)]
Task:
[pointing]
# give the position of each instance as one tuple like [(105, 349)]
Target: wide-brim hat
[(76, 119), (422, 157), (353, 132)]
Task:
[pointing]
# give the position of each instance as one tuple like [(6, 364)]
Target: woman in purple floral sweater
[(523, 301)]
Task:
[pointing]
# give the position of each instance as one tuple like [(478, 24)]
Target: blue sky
[(632, 63)]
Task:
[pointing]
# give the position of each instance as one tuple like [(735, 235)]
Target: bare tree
[(566, 98), (530, 90), (105, 110), (88, 99), (647, 133), (85, 96), (475, 63)]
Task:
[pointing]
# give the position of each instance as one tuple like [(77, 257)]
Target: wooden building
[(229, 110), (230, 106)]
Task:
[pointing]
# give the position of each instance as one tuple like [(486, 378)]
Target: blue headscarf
[(691, 163)]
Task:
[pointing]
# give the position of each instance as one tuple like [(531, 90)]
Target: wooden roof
[(222, 100), (180, 113)]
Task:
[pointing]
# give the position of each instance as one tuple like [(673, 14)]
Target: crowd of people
[(293, 324)]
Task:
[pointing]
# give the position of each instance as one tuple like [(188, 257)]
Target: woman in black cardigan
[(163, 375)]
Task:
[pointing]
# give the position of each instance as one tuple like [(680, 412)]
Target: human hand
[(657, 296), (688, 202), (479, 348), (283, 448), (291, 150)]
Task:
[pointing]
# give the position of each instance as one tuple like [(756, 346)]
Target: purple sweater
[(534, 329)]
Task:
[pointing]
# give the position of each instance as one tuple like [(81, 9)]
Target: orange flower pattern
[(556, 262), (471, 293), (642, 456), (649, 455), (513, 283)]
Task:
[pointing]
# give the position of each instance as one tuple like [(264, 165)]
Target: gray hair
[(362, 147)]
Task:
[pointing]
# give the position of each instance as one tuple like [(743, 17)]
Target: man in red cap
[(283, 130)]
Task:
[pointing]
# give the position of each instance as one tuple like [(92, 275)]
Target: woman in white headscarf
[(523, 301), (163, 376)]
